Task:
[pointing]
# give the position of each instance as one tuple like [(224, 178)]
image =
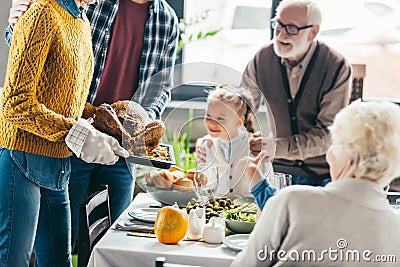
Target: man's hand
[(17, 9), (260, 143), (93, 146)]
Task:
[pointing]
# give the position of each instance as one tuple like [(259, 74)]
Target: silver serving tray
[(154, 162)]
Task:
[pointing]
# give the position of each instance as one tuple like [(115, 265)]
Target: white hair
[(314, 13), (369, 133)]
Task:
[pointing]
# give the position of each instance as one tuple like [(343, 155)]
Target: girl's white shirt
[(226, 154)]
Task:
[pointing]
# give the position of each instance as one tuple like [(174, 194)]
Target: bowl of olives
[(213, 208)]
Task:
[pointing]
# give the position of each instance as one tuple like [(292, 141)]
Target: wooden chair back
[(94, 221)]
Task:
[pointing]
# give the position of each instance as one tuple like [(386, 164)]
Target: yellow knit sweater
[(49, 71)]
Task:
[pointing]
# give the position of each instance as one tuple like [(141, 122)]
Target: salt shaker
[(214, 231), (197, 220)]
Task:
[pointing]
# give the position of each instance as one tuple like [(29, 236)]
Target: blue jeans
[(87, 178), (305, 180), (34, 209)]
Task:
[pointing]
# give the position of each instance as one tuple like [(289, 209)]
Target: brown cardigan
[(301, 123)]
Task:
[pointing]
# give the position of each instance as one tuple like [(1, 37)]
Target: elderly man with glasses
[(305, 83)]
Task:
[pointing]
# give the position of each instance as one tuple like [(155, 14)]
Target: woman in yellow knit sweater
[(49, 71)]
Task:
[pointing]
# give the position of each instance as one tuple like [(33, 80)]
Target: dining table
[(123, 248)]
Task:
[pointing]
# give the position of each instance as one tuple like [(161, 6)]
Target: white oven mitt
[(93, 146)]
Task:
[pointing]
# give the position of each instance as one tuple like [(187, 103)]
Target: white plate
[(144, 214), (236, 242)]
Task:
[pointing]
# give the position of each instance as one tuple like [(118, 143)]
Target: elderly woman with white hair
[(349, 222)]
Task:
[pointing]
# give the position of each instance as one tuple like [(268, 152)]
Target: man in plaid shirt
[(134, 43)]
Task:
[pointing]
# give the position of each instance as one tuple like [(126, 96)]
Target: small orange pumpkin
[(171, 224)]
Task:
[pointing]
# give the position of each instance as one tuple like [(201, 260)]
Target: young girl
[(229, 123)]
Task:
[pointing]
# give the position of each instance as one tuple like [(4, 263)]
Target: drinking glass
[(205, 180), (281, 180)]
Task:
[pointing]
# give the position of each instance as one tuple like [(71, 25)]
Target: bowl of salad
[(240, 221)]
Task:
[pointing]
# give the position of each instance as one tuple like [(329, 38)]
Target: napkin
[(135, 226)]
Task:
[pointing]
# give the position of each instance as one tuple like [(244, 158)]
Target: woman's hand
[(17, 9)]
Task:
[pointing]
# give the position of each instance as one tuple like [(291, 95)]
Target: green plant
[(184, 158), (186, 37)]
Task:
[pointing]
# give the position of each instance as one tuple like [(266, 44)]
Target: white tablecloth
[(116, 248)]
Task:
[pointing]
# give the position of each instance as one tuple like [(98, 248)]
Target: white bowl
[(169, 197), (239, 227)]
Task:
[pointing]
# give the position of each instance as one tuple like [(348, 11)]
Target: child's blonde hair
[(241, 100)]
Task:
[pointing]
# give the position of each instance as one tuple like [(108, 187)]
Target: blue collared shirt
[(71, 7), (158, 54)]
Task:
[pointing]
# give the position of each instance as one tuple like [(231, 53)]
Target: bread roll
[(183, 184), (163, 179), (178, 174), (200, 177), (190, 174), (149, 177)]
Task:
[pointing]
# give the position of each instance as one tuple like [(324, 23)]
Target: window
[(366, 32)]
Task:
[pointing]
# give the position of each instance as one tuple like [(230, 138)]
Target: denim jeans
[(87, 178), (34, 209)]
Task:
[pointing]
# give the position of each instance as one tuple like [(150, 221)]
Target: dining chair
[(160, 262), (359, 71), (94, 221)]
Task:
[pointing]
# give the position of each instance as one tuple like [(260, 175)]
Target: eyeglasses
[(289, 28)]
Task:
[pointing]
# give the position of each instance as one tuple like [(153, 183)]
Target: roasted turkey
[(129, 123)]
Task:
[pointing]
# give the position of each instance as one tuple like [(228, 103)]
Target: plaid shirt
[(158, 54)]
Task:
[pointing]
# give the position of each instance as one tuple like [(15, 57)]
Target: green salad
[(239, 215)]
